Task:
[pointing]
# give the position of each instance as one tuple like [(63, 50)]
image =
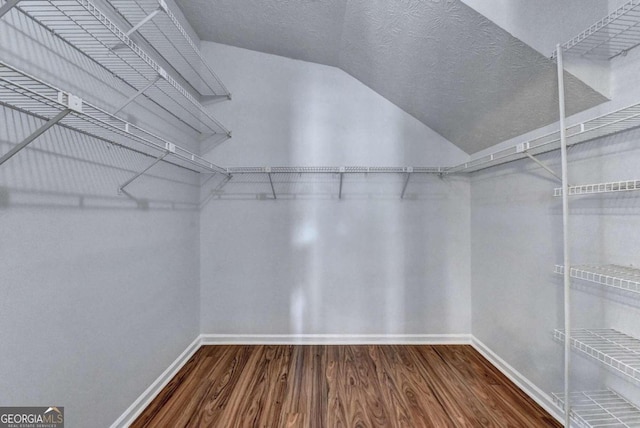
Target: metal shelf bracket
[(11, 153), (207, 100), (170, 149), (10, 4), (273, 190), (543, 166), (162, 74), (162, 7), (406, 181), (342, 170)]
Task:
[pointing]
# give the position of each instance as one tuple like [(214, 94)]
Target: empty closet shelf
[(81, 24), (168, 37), (611, 187), (611, 36), (610, 347), (617, 121), (600, 409), (620, 277), (25, 93)]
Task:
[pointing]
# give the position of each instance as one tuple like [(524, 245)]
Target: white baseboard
[(130, 415), (335, 339), (529, 388), (516, 377)]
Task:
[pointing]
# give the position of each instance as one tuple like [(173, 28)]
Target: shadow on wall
[(65, 169)]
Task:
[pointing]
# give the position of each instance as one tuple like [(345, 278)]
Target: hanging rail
[(25, 93), (83, 25)]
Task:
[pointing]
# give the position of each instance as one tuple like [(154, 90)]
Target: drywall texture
[(309, 262), (99, 291), (516, 240), (441, 61)]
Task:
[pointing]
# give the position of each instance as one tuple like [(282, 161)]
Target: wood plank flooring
[(341, 386)]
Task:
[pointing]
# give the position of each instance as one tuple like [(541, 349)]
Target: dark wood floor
[(341, 386)]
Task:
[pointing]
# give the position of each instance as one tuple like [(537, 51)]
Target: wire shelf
[(337, 170), (615, 122), (620, 277), (606, 408), (613, 35), (167, 36), (81, 24), (23, 92), (612, 187), (610, 347)]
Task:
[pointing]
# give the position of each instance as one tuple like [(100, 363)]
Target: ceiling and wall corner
[(441, 61)]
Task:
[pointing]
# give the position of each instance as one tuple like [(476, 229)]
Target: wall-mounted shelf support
[(161, 74), (273, 189), (406, 181), (543, 166), (10, 4), (162, 7), (342, 170), (141, 173), (207, 100), (44, 128)]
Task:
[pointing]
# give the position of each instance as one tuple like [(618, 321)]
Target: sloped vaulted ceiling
[(439, 60)]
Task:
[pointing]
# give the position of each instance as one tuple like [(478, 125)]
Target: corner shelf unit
[(81, 24), (614, 276), (167, 36), (27, 94), (591, 409), (589, 189), (609, 347), (613, 35)]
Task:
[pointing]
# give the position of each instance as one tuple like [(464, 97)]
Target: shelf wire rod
[(406, 183), (137, 94), (340, 191), (273, 190), (10, 4), (44, 128), (565, 236), (135, 177), (546, 168)]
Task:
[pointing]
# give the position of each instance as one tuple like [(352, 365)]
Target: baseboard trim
[(335, 339), (529, 388), (130, 415)]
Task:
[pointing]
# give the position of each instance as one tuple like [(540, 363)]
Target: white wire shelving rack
[(157, 24), (613, 35), (339, 171), (593, 409), (85, 27), (609, 347), (621, 120), (614, 276), (611, 187), (23, 92)]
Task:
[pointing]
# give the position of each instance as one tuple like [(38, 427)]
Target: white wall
[(308, 262), (99, 292), (517, 239)]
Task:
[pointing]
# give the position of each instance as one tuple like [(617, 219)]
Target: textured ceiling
[(439, 60)]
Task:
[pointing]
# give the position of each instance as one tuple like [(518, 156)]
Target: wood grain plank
[(341, 386)]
